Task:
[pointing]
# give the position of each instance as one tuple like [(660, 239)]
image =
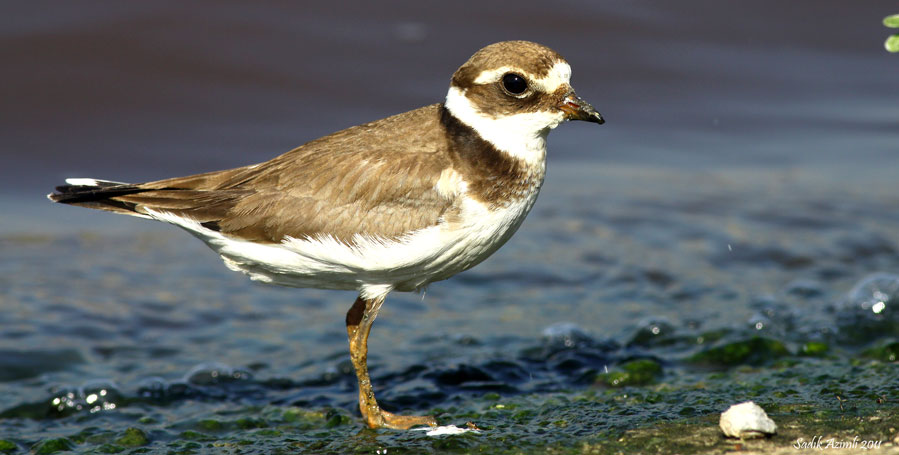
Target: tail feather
[(86, 190), (97, 194), (93, 182), (182, 198)]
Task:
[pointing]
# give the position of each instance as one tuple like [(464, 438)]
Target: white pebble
[(746, 420), (447, 429)]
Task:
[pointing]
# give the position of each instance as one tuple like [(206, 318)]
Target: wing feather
[(378, 179)]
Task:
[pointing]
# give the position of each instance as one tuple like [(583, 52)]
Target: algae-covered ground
[(625, 326), (830, 401)]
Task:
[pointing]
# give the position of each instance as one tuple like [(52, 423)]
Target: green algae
[(246, 423), (814, 349), (634, 373), (110, 448), (191, 435), (752, 351), (337, 419), (7, 446), (677, 415), (638, 407), (210, 425), (888, 352), (133, 437), (53, 445), (302, 415), (660, 410)]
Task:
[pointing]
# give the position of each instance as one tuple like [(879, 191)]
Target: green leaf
[(892, 43), (891, 21)]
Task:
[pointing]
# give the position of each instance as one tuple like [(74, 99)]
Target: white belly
[(372, 265)]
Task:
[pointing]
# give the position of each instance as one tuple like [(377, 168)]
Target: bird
[(390, 205)]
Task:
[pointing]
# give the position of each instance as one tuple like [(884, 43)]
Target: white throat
[(522, 135)]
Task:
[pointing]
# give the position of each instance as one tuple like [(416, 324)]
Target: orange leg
[(358, 324)]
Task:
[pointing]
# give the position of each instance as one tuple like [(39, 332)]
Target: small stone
[(745, 421)]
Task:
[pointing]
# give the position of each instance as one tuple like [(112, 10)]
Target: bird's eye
[(514, 83)]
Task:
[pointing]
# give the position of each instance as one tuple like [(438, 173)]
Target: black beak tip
[(595, 117)]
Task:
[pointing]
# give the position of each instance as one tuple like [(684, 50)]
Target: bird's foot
[(379, 418)]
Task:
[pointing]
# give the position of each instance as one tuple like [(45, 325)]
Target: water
[(744, 189)]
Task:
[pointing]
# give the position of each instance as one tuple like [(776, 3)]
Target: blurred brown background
[(136, 91)]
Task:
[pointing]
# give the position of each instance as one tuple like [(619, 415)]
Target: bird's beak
[(577, 109)]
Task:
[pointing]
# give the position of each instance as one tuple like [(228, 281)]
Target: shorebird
[(391, 205)]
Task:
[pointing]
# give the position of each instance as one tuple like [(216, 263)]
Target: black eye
[(514, 84)]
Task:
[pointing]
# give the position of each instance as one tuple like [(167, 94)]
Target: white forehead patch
[(559, 75)]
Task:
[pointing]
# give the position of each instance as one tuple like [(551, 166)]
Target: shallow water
[(732, 233), (671, 267)]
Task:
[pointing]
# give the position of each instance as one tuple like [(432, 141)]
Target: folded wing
[(356, 181)]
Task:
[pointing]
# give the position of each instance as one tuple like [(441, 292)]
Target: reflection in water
[(875, 292)]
